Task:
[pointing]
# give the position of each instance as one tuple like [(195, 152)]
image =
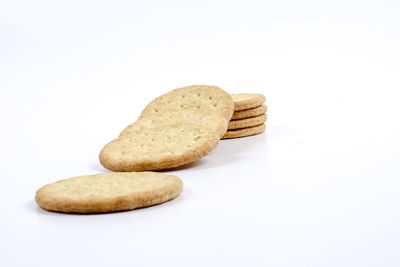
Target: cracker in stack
[(249, 116), (173, 130)]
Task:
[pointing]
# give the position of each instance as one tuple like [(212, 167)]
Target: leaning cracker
[(154, 146), (245, 132), (248, 113), (109, 192), (246, 101), (249, 122), (204, 98), (207, 120)]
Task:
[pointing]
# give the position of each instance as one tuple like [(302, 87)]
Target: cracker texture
[(109, 192), (247, 101), (245, 132), (205, 98), (207, 120), (164, 141), (245, 123), (248, 113)]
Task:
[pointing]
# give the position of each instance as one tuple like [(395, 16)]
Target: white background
[(321, 187)]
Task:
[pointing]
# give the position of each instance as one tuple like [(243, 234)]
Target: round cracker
[(245, 123), (245, 132), (109, 192), (204, 98), (246, 101), (147, 145), (248, 113)]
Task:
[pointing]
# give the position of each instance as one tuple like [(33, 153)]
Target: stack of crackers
[(249, 117), (173, 130)]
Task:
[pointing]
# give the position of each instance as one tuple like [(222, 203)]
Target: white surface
[(319, 188)]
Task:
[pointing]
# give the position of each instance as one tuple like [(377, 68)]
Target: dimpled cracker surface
[(208, 120), (245, 132), (246, 101), (249, 122), (248, 113), (205, 98), (146, 145), (109, 192)]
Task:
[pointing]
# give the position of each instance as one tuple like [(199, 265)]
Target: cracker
[(155, 142), (246, 101), (109, 192), (249, 122), (245, 132), (204, 98), (248, 113)]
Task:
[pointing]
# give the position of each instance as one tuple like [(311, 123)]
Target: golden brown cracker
[(204, 98), (245, 123), (109, 192), (248, 113), (245, 132), (247, 101)]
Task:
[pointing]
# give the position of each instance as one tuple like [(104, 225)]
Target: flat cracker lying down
[(108, 192)]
